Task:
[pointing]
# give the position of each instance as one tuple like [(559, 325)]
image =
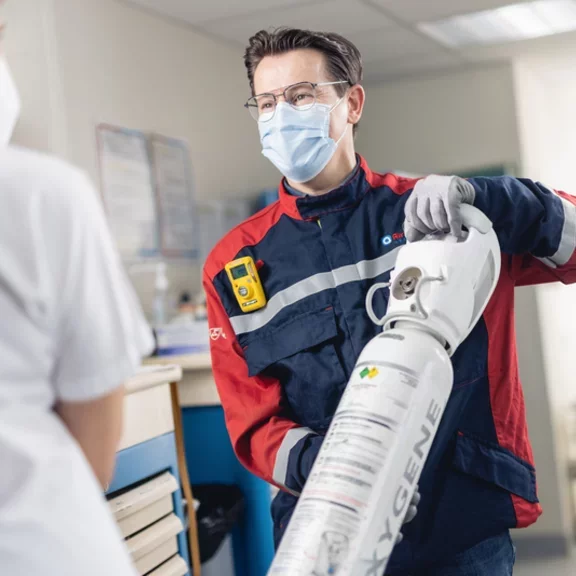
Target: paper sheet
[(128, 191), (173, 181)]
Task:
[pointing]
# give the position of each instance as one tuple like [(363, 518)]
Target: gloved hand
[(434, 206), (410, 513)]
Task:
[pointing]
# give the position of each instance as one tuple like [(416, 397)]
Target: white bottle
[(352, 507), (370, 460), (159, 305)]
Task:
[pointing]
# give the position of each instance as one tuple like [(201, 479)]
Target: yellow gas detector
[(246, 284)]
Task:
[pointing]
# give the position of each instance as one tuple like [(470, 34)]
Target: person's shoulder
[(26, 164), (249, 233), (29, 175), (399, 184)]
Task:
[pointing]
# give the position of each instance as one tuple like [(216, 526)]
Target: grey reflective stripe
[(292, 438), (568, 238), (364, 270)]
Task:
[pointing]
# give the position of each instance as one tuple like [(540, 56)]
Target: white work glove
[(434, 206), (410, 513)]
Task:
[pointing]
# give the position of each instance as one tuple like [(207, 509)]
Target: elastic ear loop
[(347, 124)]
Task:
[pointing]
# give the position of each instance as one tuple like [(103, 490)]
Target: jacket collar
[(313, 207)]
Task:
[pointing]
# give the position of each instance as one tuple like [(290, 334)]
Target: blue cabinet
[(139, 464)]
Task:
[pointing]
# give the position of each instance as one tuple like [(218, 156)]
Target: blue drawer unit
[(140, 464)]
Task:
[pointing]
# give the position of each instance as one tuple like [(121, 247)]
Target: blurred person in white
[(71, 332)]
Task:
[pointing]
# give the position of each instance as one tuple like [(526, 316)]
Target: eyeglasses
[(301, 96)]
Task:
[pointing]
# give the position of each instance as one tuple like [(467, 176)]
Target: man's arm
[(264, 437), (535, 224)]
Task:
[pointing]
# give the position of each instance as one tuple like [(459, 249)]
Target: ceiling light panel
[(510, 23)]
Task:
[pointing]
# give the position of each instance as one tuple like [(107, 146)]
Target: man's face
[(274, 73)]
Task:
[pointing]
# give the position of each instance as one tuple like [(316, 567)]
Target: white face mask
[(10, 104)]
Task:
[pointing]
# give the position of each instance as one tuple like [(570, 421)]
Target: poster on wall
[(235, 211), (217, 218), (172, 176), (211, 227), (128, 192)]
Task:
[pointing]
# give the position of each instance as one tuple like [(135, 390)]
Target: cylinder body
[(352, 507)]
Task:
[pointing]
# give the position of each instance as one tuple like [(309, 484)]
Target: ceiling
[(385, 31)]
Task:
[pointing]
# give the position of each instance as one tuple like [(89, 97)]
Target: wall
[(456, 121), (89, 61), (32, 52), (554, 526), (134, 69), (546, 92), (137, 70)]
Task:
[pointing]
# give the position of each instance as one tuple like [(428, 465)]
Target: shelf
[(188, 362), (197, 387), (153, 374)]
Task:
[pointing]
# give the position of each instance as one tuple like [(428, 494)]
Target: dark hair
[(343, 59)]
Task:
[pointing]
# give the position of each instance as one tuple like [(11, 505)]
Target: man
[(334, 232)]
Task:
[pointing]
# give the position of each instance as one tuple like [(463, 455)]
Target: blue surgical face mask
[(298, 142)]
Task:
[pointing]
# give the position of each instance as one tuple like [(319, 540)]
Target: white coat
[(70, 329)]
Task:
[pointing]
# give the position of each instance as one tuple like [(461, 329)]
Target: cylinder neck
[(409, 325)]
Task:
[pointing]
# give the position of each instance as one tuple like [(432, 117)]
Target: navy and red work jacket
[(281, 370)]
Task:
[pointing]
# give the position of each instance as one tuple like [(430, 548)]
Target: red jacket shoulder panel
[(398, 184)]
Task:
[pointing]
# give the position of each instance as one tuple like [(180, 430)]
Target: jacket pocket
[(302, 355), (494, 464)]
